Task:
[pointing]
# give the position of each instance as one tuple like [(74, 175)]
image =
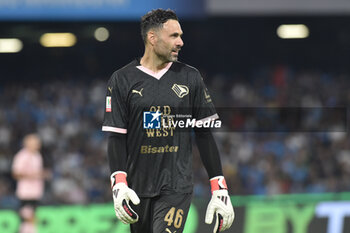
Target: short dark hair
[(155, 19)]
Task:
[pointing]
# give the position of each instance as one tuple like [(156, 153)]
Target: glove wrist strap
[(218, 183), (118, 177)]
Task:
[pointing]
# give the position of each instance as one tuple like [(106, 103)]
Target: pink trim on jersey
[(212, 117), (114, 129), (156, 75)]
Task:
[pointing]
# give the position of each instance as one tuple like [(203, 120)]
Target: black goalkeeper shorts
[(166, 213)]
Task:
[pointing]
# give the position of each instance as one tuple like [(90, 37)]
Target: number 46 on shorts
[(174, 217)]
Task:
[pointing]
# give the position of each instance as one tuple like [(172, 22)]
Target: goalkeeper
[(151, 167)]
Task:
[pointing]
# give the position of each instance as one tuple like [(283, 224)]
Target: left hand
[(220, 205)]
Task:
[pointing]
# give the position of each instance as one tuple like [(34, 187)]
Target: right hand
[(122, 194)]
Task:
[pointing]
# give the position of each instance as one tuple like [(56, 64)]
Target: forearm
[(208, 152), (117, 152), (220, 204), (122, 194)]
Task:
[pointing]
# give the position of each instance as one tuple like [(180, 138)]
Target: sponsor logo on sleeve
[(207, 96)]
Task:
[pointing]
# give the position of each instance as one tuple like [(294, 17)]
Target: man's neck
[(152, 62), (33, 151)]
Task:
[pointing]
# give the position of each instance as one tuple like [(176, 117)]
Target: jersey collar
[(156, 75)]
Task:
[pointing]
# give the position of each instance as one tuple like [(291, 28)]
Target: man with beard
[(152, 165)]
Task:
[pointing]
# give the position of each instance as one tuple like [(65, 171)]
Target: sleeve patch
[(108, 104)]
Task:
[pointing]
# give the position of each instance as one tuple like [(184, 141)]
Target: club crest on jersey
[(151, 120), (180, 90), (108, 104)]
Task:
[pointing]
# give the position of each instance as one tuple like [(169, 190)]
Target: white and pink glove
[(122, 194), (219, 205)]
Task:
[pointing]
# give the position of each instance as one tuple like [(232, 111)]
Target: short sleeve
[(203, 107), (115, 116), (18, 163)]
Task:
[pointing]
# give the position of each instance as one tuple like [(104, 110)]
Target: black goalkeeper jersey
[(158, 160)]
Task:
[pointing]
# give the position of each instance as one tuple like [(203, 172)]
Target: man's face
[(32, 143), (168, 41)]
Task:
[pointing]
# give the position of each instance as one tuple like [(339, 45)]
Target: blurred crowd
[(68, 115)]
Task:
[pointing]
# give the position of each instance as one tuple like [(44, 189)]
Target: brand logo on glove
[(223, 199), (115, 192)]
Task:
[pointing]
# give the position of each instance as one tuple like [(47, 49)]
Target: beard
[(166, 54), (172, 58), (168, 57)]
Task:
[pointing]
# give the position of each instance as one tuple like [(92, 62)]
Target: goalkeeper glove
[(122, 194), (219, 205)]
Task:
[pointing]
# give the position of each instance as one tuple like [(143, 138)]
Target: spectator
[(29, 172)]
